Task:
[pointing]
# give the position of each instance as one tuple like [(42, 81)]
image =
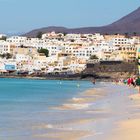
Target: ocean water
[(26, 105)]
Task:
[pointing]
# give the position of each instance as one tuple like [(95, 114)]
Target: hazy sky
[(25, 15)]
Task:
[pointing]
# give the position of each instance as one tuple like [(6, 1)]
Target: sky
[(19, 16)]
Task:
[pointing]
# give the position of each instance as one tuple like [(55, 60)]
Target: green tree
[(3, 38), (39, 35), (126, 35), (134, 33), (45, 51), (106, 34), (64, 33), (6, 55), (93, 57)]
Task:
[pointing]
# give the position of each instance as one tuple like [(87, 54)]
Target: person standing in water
[(93, 81)]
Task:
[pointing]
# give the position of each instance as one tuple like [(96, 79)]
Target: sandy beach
[(128, 129), (107, 113)]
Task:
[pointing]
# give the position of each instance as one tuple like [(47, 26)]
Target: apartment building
[(4, 47)]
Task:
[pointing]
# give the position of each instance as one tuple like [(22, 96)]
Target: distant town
[(52, 53)]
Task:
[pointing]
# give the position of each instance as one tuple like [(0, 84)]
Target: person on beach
[(138, 84), (125, 81), (116, 81), (129, 81), (93, 81), (133, 82)]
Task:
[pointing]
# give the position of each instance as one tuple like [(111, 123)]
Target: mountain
[(127, 24)]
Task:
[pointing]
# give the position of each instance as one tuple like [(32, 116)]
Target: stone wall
[(111, 69)]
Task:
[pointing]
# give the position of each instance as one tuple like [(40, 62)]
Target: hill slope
[(127, 24)]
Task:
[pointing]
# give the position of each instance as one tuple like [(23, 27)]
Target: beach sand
[(129, 129), (109, 113), (64, 135)]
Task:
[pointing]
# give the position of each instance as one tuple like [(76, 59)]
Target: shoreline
[(73, 128), (58, 78), (39, 78), (99, 112)]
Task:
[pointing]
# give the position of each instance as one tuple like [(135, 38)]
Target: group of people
[(132, 81)]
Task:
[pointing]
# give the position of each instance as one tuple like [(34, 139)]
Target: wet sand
[(107, 113), (63, 135), (84, 100), (65, 131)]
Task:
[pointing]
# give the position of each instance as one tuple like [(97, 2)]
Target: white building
[(4, 47), (120, 41)]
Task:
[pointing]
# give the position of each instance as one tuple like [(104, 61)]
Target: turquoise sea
[(26, 104)]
